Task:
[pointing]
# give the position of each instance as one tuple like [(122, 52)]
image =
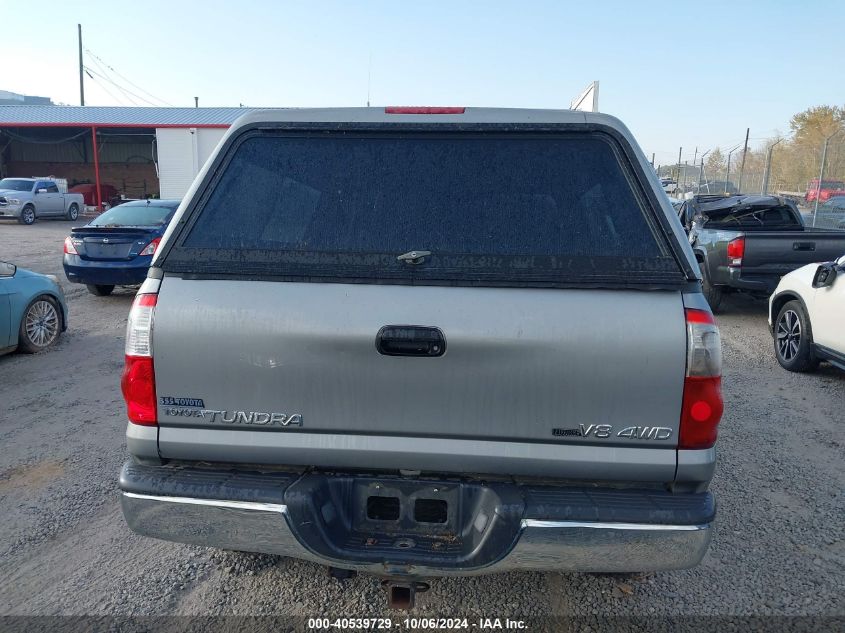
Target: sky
[(683, 74)]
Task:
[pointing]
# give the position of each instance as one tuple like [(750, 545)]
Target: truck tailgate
[(779, 253), (527, 365)]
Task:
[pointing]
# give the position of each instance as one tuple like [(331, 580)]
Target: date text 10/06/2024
[(386, 624)]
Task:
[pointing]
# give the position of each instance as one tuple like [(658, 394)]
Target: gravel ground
[(779, 547)]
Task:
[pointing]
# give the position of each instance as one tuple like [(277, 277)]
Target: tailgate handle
[(410, 340), (803, 246)]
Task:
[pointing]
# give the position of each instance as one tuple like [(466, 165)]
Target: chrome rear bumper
[(544, 545)]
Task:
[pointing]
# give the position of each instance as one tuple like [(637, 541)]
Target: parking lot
[(779, 547)]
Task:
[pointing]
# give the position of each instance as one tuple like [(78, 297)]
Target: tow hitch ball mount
[(401, 594)]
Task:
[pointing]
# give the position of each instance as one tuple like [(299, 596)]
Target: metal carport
[(81, 140)]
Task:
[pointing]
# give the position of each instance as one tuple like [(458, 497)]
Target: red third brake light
[(138, 381), (69, 249), (736, 250), (702, 404), (424, 110)]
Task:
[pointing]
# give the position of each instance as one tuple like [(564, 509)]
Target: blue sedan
[(33, 312), (117, 247)]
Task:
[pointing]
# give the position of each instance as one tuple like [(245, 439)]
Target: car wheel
[(100, 290), (73, 212), (794, 338), (27, 216), (40, 326), (712, 293)]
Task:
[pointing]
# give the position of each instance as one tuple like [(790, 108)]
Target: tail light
[(150, 248), (70, 249), (424, 110), (736, 250), (138, 381), (702, 403)]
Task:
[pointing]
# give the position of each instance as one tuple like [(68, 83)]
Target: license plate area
[(114, 249), (407, 507), (399, 521)]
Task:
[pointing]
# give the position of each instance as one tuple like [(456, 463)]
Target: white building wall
[(207, 140), (181, 154)]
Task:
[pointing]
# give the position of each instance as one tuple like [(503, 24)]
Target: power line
[(105, 75), (126, 79), (108, 92), (127, 93), (102, 65), (91, 72)]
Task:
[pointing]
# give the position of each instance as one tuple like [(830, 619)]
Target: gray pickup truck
[(747, 243), (28, 199), (422, 342)]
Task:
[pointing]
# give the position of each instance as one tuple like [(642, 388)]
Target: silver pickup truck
[(28, 199), (421, 342)]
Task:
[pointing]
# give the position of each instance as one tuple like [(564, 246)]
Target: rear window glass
[(768, 218), (133, 215), (484, 207)]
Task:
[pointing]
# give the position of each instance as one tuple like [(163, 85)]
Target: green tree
[(802, 156), (813, 125)]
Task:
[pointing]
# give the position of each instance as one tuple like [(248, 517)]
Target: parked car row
[(747, 243), (742, 243), (760, 245), (115, 248)]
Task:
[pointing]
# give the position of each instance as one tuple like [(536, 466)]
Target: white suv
[(805, 316)]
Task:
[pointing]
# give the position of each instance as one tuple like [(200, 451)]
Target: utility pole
[(821, 174), (695, 157), (701, 172), (196, 102), (728, 175), (81, 84), (652, 159), (765, 186), (680, 149), (742, 166)]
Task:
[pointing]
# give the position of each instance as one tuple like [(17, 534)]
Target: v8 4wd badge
[(604, 431)]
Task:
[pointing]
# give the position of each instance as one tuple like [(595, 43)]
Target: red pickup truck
[(826, 191)]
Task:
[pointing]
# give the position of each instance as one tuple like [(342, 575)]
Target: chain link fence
[(776, 167), (805, 170)]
